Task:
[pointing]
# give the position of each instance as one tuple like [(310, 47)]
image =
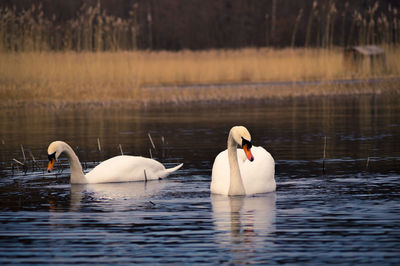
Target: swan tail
[(164, 173), (173, 169)]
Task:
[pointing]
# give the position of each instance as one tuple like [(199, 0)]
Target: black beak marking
[(52, 156), (245, 141)]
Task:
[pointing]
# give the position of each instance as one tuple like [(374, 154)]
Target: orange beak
[(247, 151), (51, 165)]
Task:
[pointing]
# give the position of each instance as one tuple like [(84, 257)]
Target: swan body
[(121, 168), (244, 171)]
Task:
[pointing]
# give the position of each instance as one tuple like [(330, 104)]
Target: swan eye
[(246, 142), (52, 156)]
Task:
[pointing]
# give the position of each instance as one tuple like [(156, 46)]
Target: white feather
[(233, 174), (117, 169), (257, 176), (125, 168)]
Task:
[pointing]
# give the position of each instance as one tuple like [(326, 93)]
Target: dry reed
[(99, 77), (93, 29)]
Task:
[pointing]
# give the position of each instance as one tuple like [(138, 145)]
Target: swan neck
[(236, 183), (77, 175)]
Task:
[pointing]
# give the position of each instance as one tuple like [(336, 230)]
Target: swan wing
[(220, 176), (258, 175), (126, 168)]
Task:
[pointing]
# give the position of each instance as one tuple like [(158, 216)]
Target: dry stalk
[(151, 140), (98, 144), (324, 156)]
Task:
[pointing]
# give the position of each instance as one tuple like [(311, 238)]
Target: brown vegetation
[(96, 53), (104, 25), (140, 76)]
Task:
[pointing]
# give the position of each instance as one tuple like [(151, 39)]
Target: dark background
[(206, 24)]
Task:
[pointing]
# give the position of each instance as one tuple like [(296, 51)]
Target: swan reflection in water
[(244, 222), (107, 204), (117, 195)]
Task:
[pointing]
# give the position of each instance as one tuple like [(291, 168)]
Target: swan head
[(54, 151), (242, 137)]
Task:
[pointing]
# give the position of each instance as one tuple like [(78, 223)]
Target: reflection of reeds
[(71, 76)]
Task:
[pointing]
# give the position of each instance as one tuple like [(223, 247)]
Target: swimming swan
[(232, 174), (121, 168)]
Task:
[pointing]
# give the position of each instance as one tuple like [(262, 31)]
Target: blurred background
[(109, 25)]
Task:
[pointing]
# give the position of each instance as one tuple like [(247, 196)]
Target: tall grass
[(108, 76), (362, 27), (93, 29), (44, 59)]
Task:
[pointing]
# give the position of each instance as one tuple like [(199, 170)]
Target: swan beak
[(51, 165), (247, 151)]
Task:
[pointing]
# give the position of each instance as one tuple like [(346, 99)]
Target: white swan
[(232, 174), (117, 169)]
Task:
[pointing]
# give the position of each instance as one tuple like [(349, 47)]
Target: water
[(347, 213)]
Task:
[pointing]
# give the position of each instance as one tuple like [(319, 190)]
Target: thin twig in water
[(24, 167), (163, 147), (120, 148), (151, 155), (18, 162), (323, 159), (98, 144), (145, 175), (151, 140), (23, 152), (34, 160), (367, 165), (60, 170)]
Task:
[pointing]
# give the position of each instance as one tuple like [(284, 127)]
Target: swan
[(121, 168), (232, 174)]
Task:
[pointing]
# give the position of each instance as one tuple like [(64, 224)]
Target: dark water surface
[(349, 215)]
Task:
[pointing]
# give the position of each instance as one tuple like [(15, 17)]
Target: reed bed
[(114, 76), (321, 24), (91, 29), (93, 56)]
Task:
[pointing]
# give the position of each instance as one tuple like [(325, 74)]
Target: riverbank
[(160, 96), (149, 78)]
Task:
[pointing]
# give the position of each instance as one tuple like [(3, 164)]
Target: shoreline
[(225, 93)]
